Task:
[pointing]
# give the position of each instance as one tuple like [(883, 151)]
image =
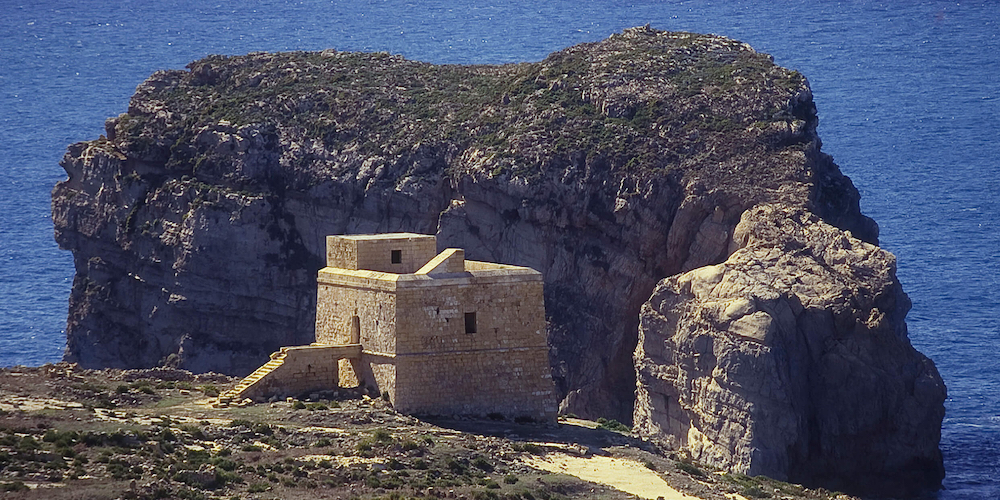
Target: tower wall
[(501, 366)]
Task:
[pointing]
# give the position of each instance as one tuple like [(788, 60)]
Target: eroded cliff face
[(197, 225), (791, 359)]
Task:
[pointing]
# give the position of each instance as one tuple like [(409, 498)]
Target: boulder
[(791, 360)]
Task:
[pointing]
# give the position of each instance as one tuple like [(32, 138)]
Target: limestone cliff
[(791, 359), (197, 225)]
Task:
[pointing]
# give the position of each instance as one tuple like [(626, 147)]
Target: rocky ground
[(142, 434)]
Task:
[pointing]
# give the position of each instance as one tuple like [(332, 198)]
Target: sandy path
[(27, 403), (626, 475)]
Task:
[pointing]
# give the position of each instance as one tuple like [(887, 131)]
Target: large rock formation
[(791, 359), (197, 225)]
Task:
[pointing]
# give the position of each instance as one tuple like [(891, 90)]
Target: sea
[(908, 94)]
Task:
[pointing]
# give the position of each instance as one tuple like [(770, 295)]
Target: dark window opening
[(397, 256), (470, 322)]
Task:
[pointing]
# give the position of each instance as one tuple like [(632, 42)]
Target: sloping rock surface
[(197, 225), (791, 359)]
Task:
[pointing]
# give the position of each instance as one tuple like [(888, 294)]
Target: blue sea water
[(908, 95)]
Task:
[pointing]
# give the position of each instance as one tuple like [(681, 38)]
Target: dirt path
[(626, 475)]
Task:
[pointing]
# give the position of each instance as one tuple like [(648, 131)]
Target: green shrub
[(262, 428), (322, 442), (167, 435), (612, 425), (485, 495), (482, 463), (690, 469), (194, 458), (382, 436), (14, 486), (755, 492), (532, 448), (194, 431), (28, 443), (510, 479), (61, 439), (186, 494), (455, 466), (224, 464), (299, 405), (257, 488), (224, 477), (121, 470), (209, 390)]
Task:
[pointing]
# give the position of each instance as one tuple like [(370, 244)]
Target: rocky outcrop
[(197, 225), (791, 359)]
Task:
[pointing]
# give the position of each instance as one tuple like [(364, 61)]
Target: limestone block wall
[(500, 364), (342, 295), (358, 307), (513, 382), (303, 369), (374, 252)]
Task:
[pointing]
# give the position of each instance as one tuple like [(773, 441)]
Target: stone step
[(236, 393)]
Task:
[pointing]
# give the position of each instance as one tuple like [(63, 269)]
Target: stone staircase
[(290, 371), (236, 393)]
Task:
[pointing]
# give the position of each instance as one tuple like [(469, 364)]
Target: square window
[(470, 322), (397, 256)]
